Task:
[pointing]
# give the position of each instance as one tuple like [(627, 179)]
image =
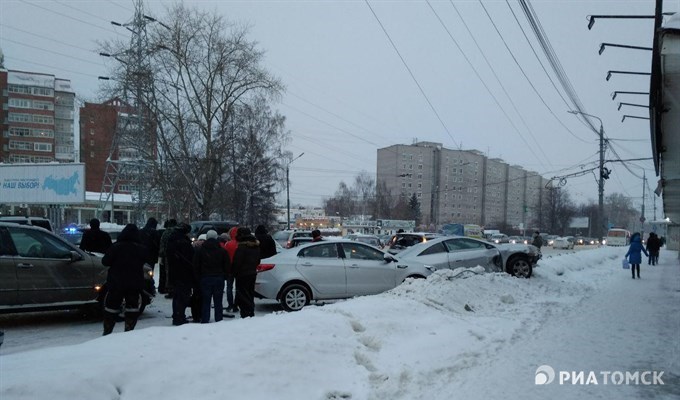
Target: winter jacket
[(211, 260), (125, 260), (179, 255), (247, 256), (165, 237), (653, 244), (95, 240), (151, 238), (633, 254), (232, 244), (267, 244)]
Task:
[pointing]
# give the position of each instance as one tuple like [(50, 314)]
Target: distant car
[(281, 237), (460, 251), (403, 240), (297, 241), (549, 239), (515, 239), (199, 227), (293, 235), (39, 270), (332, 269), (499, 238), (566, 242), (368, 239)]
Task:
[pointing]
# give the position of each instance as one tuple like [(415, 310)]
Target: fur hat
[(212, 234)]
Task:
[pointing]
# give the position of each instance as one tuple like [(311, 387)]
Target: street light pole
[(600, 182), (288, 189)]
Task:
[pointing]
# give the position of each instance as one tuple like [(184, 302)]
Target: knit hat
[(212, 234)]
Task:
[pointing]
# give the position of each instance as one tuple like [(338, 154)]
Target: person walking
[(179, 254), (230, 246), (246, 260), (211, 265), (537, 240), (653, 247), (267, 244), (95, 239), (633, 254), (125, 280), (163, 286)]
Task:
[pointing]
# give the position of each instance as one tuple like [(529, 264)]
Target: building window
[(16, 117), (420, 166), (42, 146), (43, 105), (420, 195), (92, 154), (20, 103), (91, 142), (19, 145), (43, 119), (420, 176)]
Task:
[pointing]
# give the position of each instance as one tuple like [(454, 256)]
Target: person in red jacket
[(231, 246)]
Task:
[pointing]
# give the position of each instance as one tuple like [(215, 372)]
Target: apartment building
[(37, 118), (462, 186)]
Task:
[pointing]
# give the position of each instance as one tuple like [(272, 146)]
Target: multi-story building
[(462, 186), (37, 118)]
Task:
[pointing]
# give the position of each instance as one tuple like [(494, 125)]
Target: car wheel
[(520, 267), (294, 297)]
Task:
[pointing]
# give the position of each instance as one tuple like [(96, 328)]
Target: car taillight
[(288, 244), (265, 267)]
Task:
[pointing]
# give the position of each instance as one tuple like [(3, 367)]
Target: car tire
[(520, 267), (294, 297)]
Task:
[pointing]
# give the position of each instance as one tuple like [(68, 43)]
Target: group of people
[(192, 274), (634, 254)]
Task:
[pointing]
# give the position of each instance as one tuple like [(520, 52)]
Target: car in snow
[(565, 242), (40, 270), (459, 251), (331, 269), (373, 240)]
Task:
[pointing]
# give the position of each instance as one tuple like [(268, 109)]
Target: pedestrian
[(537, 240), (125, 279), (246, 260), (230, 246), (211, 265), (633, 254), (653, 247), (163, 286), (95, 239), (316, 235), (151, 239), (180, 254), (267, 244)]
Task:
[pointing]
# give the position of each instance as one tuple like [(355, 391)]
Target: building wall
[(462, 185), (495, 194), (97, 127), (38, 115)]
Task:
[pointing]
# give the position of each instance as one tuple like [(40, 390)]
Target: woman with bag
[(633, 254)]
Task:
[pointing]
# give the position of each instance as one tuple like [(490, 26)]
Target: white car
[(331, 269), (566, 242)]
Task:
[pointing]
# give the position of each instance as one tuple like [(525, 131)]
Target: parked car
[(39, 270), (516, 239), (23, 220), (499, 238), (332, 269), (296, 241), (368, 239), (565, 242), (460, 251), (199, 227), (548, 240), (293, 235), (400, 241), (281, 237)]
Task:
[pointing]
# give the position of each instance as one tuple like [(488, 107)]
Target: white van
[(618, 237)]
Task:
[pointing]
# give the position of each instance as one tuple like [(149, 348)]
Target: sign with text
[(52, 183)]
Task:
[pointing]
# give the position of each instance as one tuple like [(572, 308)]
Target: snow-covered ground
[(452, 336)]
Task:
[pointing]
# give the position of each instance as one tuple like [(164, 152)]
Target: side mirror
[(75, 256), (389, 258)]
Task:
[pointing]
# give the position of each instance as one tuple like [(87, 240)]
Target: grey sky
[(348, 92)]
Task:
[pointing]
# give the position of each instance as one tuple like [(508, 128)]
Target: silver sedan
[(332, 269)]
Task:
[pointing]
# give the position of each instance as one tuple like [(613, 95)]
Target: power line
[(52, 52), (50, 66), (72, 17), (412, 75), (47, 38)]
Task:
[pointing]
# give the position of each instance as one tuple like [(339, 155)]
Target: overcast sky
[(349, 93)]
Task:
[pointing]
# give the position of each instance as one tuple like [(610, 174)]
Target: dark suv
[(40, 270), (23, 220)]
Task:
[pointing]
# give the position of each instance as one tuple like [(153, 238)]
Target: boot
[(130, 321), (109, 323)]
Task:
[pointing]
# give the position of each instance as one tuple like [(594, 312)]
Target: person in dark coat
[(267, 244), (211, 266), (164, 280), (125, 280), (653, 247), (179, 255), (633, 254), (316, 235), (246, 260), (94, 239), (151, 238)]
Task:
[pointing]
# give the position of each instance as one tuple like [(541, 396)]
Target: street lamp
[(288, 187), (600, 181)]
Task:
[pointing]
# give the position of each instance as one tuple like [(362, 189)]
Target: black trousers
[(245, 294), (633, 267)]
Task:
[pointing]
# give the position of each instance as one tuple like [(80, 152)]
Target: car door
[(46, 272), (469, 253), (8, 273), (435, 255), (323, 269), (367, 270)]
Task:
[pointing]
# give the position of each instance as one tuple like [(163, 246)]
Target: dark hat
[(260, 230), (183, 227), (243, 232)]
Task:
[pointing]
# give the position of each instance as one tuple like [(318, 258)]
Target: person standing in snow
[(537, 241), (633, 254), (95, 239), (230, 245), (653, 246), (211, 265), (246, 260), (267, 244), (179, 256), (125, 280)]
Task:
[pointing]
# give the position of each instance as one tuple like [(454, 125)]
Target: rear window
[(281, 235)]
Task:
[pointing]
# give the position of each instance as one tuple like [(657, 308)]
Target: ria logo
[(544, 375)]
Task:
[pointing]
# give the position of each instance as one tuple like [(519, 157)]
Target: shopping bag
[(624, 263)]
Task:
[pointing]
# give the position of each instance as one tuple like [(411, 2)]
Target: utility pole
[(131, 141), (288, 189), (642, 217)]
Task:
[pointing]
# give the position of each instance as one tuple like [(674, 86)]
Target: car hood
[(509, 248)]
